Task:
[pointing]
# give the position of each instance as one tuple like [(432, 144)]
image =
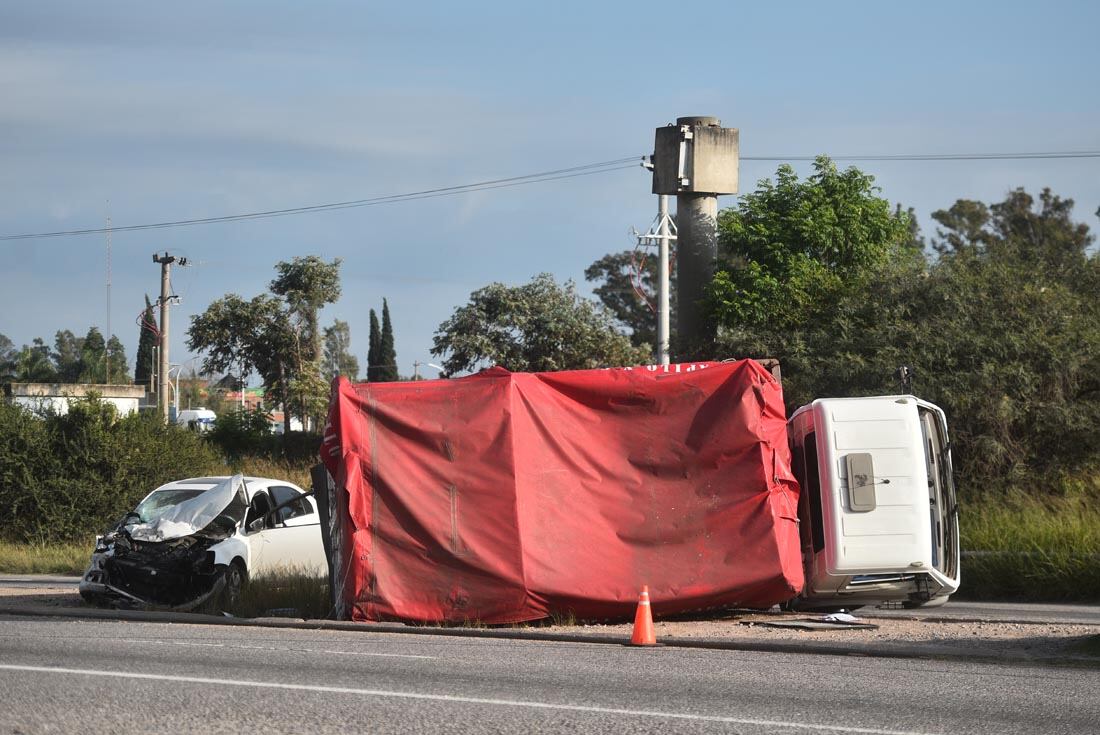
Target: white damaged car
[(193, 543)]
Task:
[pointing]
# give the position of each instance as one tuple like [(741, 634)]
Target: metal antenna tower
[(107, 351)]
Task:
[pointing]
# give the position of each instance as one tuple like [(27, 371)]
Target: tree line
[(71, 359), (277, 336), (996, 314)]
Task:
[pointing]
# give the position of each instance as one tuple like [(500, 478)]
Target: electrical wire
[(565, 173), (938, 156), (536, 178)]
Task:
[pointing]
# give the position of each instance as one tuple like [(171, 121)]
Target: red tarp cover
[(501, 497)]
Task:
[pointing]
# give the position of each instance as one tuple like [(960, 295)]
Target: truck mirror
[(861, 482)]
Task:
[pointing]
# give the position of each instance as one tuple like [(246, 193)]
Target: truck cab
[(877, 512)]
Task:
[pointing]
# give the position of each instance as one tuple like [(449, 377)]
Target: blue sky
[(155, 111)]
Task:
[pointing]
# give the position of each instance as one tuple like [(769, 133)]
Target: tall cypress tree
[(147, 338), (388, 353), (374, 350)]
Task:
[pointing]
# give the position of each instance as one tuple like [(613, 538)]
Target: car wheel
[(235, 578)]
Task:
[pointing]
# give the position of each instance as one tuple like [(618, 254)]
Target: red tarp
[(502, 497)]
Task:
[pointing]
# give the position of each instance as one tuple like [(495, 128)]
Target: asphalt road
[(1032, 612), (60, 675)]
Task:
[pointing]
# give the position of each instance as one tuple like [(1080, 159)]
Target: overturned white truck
[(503, 497), (879, 520)]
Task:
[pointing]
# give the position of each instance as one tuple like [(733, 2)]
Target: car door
[(257, 523), (294, 540)]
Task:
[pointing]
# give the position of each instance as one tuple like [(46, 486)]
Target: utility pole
[(662, 232), (663, 237), (165, 300), (696, 159)]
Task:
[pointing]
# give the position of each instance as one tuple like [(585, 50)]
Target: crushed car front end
[(179, 574), (168, 555)]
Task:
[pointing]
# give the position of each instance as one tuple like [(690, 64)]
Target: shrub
[(65, 476)]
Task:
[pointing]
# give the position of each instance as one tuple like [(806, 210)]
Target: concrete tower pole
[(696, 159), (697, 248)]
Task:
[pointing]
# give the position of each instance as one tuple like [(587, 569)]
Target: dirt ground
[(916, 635)]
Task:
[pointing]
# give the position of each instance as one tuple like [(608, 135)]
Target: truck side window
[(813, 488)]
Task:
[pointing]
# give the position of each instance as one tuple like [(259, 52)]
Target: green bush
[(63, 477), (247, 434), (241, 432)]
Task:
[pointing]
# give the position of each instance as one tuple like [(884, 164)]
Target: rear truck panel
[(879, 521)]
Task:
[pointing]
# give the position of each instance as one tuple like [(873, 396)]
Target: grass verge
[(1028, 548), (68, 558), (291, 593)]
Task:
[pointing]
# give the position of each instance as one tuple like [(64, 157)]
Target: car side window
[(258, 508), (283, 494)]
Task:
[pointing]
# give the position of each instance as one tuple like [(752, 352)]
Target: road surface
[(65, 675)]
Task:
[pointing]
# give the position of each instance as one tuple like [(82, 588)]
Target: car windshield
[(194, 511), (153, 507)]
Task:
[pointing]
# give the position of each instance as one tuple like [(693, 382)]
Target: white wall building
[(58, 396)]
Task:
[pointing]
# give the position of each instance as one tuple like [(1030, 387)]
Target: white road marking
[(458, 699)]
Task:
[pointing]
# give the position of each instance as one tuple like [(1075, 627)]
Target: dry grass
[(290, 593), (279, 469), (69, 558)]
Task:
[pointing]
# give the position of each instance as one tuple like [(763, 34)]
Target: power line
[(565, 173), (938, 156), (536, 178)]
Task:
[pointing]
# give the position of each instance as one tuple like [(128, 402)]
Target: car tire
[(235, 580)]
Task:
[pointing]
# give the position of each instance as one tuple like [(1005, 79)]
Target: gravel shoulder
[(918, 635)]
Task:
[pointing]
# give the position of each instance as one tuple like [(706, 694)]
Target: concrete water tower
[(696, 160)]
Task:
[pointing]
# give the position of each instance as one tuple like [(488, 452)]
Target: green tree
[(1009, 339), (307, 284), (628, 288), (387, 352), (1002, 330), (275, 337), (93, 357), (8, 359), (33, 365), (792, 247), (792, 253), (242, 337), (374, 351), (338, 358), (119, 370), (540, 326), (148, 335), (68, 356)]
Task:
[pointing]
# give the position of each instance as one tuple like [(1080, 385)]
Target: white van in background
[(197, 419)]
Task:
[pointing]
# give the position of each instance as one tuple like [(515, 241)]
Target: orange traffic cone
[(643, 622)]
